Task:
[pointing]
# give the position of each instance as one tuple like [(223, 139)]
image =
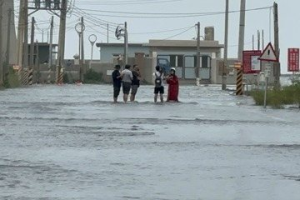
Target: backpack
[(158, 81)]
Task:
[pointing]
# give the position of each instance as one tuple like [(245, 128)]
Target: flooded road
[(71, 143)]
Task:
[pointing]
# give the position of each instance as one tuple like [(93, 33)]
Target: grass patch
[(277, 98), (11, 79), (93, 77)]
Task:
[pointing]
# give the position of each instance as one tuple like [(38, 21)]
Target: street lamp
[(92, 39), (79, 27)]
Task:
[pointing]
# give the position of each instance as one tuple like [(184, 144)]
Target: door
[(205, 70), (189, 67)]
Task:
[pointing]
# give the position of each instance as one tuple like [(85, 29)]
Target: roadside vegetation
[(12, 79), (278, 98), (93, 77)]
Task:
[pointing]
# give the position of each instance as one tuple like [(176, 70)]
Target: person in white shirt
[(127, 77)]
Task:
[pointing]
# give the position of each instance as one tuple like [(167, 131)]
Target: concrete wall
[(106, 53), (106, 69), (71, 71), (250, 79), (146, 66)]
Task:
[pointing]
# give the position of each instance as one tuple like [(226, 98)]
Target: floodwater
[(71, 143)]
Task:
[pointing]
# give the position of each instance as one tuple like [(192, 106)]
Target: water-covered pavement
[(71, 143)]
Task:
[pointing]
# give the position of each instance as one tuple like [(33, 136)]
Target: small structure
[(41, 52), (180, 54)]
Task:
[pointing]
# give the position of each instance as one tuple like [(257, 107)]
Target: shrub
[(278, 97), (66, 78), (12, 79), (258, 96), (93, 77)]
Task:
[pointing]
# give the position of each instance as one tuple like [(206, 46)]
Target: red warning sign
[(293, 60), (251, 62)]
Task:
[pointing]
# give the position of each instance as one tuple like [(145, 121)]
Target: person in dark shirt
[(135, 82), (117, 81)]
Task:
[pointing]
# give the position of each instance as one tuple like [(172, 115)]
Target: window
[(176, 60), (190, 61), (205, 61)]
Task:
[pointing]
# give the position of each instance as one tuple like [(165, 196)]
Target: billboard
[(251, 62), (293, 60)]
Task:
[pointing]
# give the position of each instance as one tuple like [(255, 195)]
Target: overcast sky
[(141, 26)]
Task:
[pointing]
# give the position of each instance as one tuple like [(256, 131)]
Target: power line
[(164, 15), (138, 2), (179, 33), (160, 31), (94, 24), (92, 27), (94, 18)]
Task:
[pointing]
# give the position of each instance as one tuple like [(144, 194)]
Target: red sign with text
[(251, 62), (293, 60)]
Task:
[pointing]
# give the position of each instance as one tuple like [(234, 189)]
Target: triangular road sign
[(269, 54)]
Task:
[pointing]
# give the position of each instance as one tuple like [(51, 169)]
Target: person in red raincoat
[(173, 90)]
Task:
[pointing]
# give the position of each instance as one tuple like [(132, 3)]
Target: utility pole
[(32, 44), (107, 33), (224, 69), (51, 43), (1, 57), (8, 39), (258, 40), (25, 64), (239, 78), (198, 55), (253, 45), (37, 61), (50, 50), (262, 39), (31, 61), (276, 46), (7, 54), (82, 41), (242, 30), (126, 44), (21, 27), (62, 36)]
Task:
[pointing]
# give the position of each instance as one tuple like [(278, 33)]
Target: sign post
[(267, 75), (270, 56)]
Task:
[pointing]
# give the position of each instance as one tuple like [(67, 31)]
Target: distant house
[(180, 54)]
